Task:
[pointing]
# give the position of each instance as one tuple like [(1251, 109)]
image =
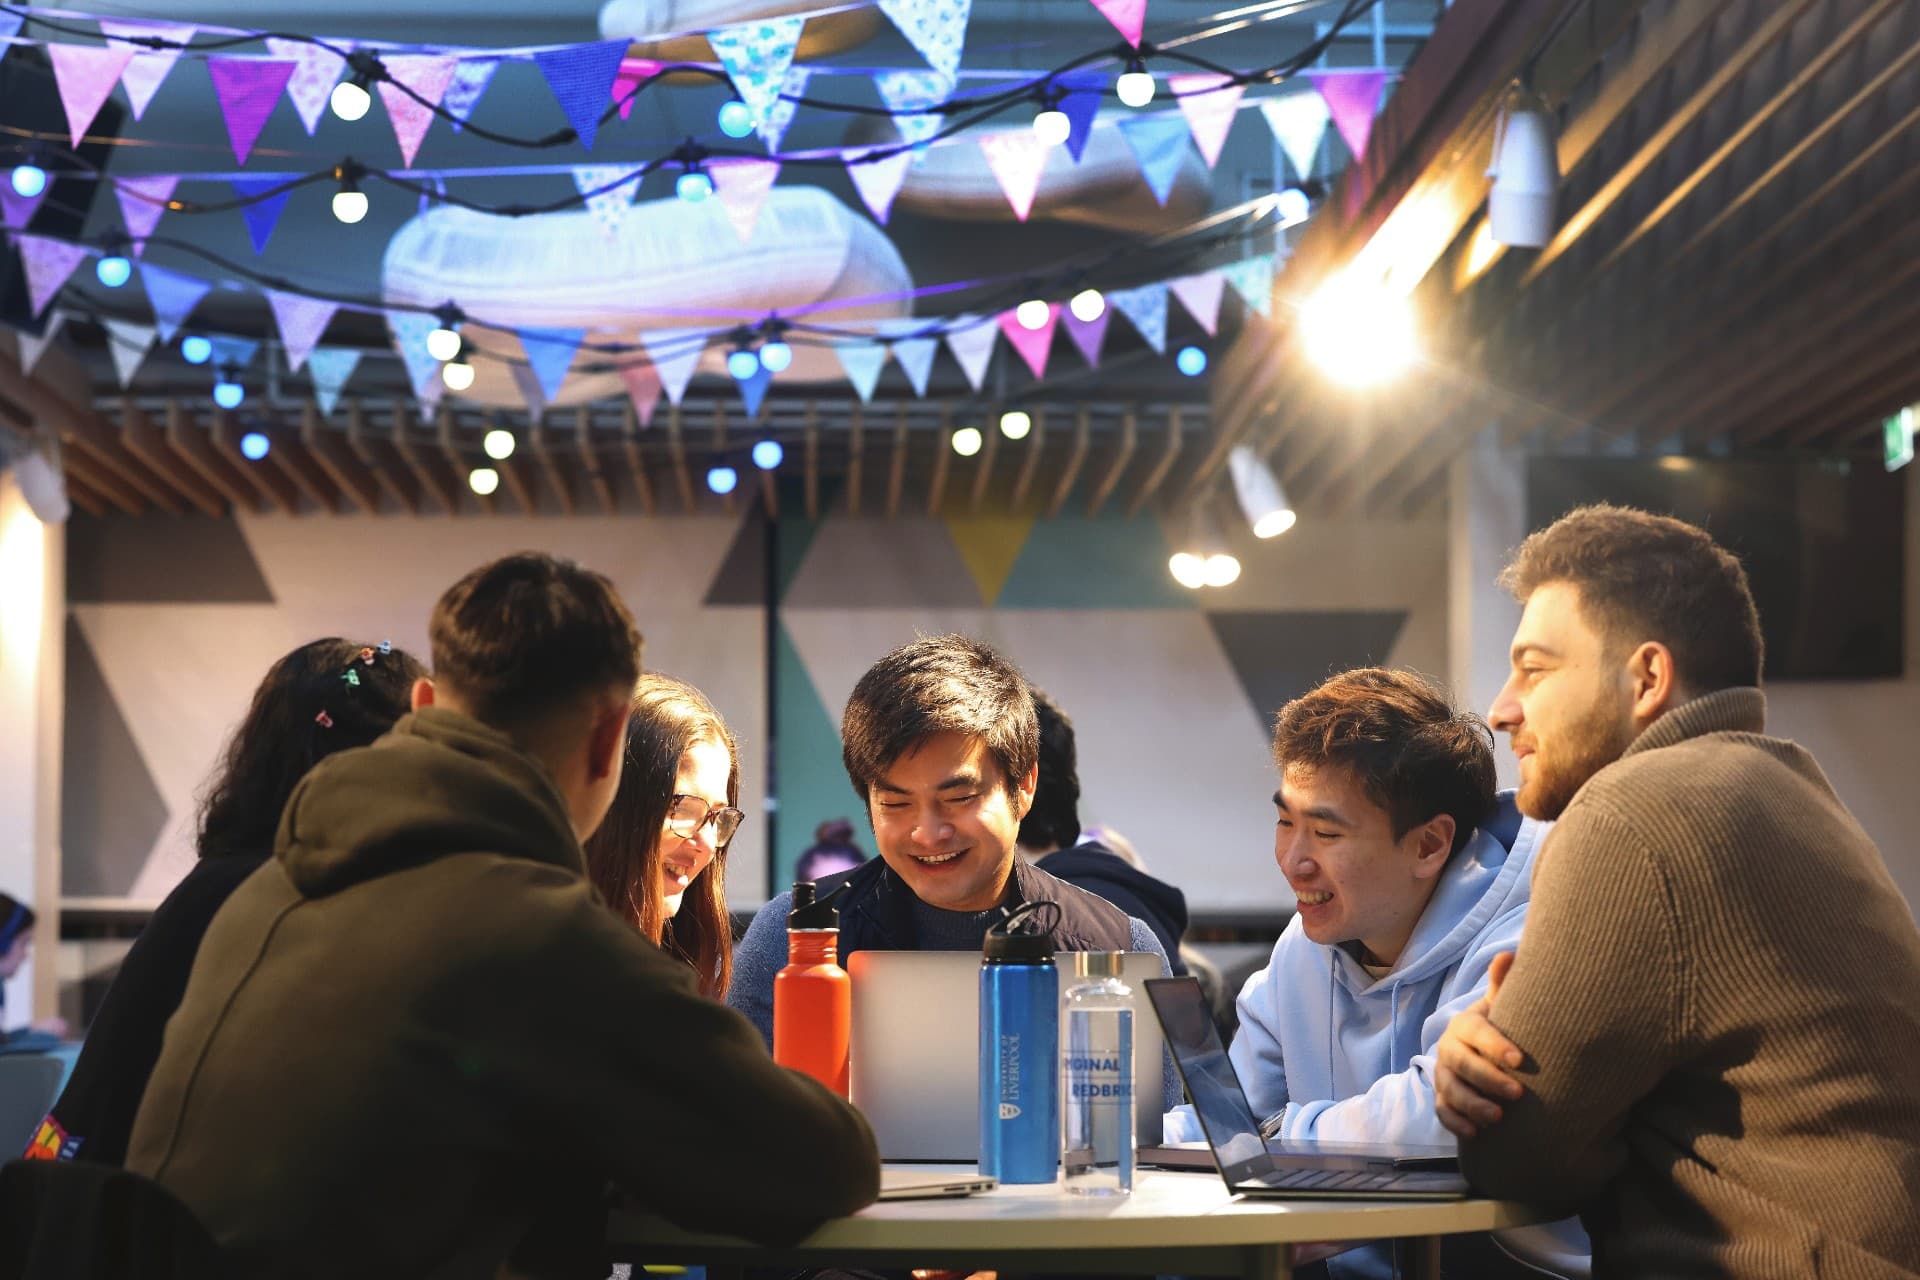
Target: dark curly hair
[(938, 684)]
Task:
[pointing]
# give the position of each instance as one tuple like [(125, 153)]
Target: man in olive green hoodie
[(417, 1022)]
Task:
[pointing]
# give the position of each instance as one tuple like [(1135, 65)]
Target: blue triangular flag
[(9, 28), (550, 355), (915, 358), (581, 77), (1252, 279), (233, 353), (174, 296), (1146, 308), (1080, 102), (470, 80), (863, 362), (753, 390), (330, 367), (756, 56), (410, 330), (1160, 145), (264, 215)]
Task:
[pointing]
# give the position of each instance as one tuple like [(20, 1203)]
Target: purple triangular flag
[(263, 214), (1200, 295), (1080, 103), (85, 74), (302, 320), (18, 210), (1088, 335), (1352, 99), (753, 390), (48, 264), (143, 76), (1034, 345), (315, 70), (581, 77), (675, 354), (643, 390), (142, 201), (863, 362), (1159, 144), (470, 80), (330, 367), (173, 297), (1210, 100), (247, 88), (550, 355), (878, 182), (971, 340)]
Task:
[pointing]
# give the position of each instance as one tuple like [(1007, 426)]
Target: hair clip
[(366, 656), (324, 720), (386, 646), (352, 677)]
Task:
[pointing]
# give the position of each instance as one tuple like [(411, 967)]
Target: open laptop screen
[(1226, 1117)]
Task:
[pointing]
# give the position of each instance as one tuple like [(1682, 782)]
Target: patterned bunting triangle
[(915, 358), (910, 91), (48, 264), (142, 201), (756, 56), (675, 354), (1129, 17), (410, 330), (143, 76), (971, 341), (773, 130), (643, 390), (1017, 159), (263, 215), (85, 74), (936, 28), (247, 88), (1146, 309), (1159, 145), (550, 354), (742, 184), (878, 182), (1298, 121), (1088, 335), (302, 321), (427, 76), (581, 77), (128, 343), (863, 362), (315, 71), (470, 79), (330, 367), (1209, 101), (609, 191), (1352, 99), (1252, 279), (1034, 345), (1200, 295), (173, 297), (754, 390)]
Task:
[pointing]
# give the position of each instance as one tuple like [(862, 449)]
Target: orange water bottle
[(812, 996)]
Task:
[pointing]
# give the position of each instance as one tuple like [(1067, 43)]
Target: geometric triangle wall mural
[(1280, 655), (104, 845), (809, 778), (1109, 563)]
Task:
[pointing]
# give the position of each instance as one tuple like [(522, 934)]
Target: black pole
[(770, 556)]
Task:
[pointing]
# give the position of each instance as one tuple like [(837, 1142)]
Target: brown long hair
[(623, 857)]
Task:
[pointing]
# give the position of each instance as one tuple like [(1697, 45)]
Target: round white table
[(1173, 1223)]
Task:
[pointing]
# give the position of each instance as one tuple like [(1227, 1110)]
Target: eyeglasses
[(687, 814)]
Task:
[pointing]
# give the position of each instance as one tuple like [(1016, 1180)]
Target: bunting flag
[(755, 56), (910, 92), (233, 353), (879, 182), (429, 394), (754, 390), (936, 28), (1252, 279), (48, 263), (173, 297), (410, 330), (10, 24), (1081, 104), (128, 344), (32, 348), (529, 388), (1088, 335), (142, 201), (247, 88), (633, 73), (742, 184), (470, 79), (863, 362), (1146, 309), (263, 215), (18, 210), (1298, 121), (1210, 101), (675, 354), (1200, 295), (1352, 98), (85, 74), (1017, 159), (581, 78), (1159, 145), (643, 389), (773, 130), (329, 368), (315, 70), (609, 207), (302, 320), (143, 75), (428, 76), (915, 358), (1129, 17), (1034, 345), (550, 354), (971, 341)]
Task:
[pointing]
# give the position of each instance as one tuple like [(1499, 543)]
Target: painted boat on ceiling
[(563, 271)]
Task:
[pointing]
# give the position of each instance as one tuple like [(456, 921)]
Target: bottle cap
[(1019, 937), (1099, 964), (809, 913)]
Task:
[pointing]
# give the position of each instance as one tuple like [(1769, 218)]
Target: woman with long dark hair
[(323, 697), (660, 856)]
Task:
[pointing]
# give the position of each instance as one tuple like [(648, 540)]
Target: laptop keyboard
[(1325, 1180)]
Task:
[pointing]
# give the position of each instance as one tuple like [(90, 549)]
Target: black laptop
[(1251, 1165)]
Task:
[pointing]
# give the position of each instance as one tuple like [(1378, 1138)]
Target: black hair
[(1054, 820), (938, 684)]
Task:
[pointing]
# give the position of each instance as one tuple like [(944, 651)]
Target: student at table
[(1709, 1039), (418, 1029), (16, 944)]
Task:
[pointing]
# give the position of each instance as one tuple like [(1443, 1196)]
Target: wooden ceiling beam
[(447, 436), (82, 495), (1162, 466), (294, 461), (1873, 359), (421, 455), (983, 466), (636, 461), (106, 488), (278, 490), (1030, 464), (1117, 465), (856, 439), (144, 441), (942, 459), (380, 457), (550, 465), (192, 446), (87, 433), (338, 461), (1076, 458), (590, 461), (897, 465)]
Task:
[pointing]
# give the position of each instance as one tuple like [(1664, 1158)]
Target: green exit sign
[(1899, 430)]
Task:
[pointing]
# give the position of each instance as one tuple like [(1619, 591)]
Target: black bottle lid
[(1019, 939), (808, 913)]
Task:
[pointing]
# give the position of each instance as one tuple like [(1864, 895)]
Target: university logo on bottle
[(1009, 1111)]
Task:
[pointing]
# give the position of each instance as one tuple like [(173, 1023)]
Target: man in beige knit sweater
[(1709, 1041)]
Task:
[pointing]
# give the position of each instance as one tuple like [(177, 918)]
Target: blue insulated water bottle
[(1019, 1050)]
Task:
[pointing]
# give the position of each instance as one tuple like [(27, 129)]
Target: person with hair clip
[(323, 697), (660, 855)]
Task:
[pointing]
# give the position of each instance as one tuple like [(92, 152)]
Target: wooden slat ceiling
[(1734, 269)]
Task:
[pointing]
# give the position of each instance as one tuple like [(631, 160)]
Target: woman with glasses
[(660, 857)]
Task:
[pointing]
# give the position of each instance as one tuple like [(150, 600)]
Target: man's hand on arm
[(1475, 1064)]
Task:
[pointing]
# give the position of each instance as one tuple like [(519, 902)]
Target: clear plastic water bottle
[(1097, 1159)]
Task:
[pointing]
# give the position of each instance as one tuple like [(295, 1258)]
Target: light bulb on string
[(1051, 126), (226, 392), (350, 99), (742, 364), (254, 446), (736, 119), (443, 342), (28, 179), (1015, 424), (722, 480), (1032, 314), (776, 356), (1134, 86), (195, 349), (1087, 305), (694, 185), (1191, 361), (457, 374), (349, 202), (483, 480), (768, 454), (113, 270), (967, 441), (498, 444), (1293, 206)]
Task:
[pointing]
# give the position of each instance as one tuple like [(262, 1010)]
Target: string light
[(349, 202), (1191, 361), (498, 444), (483, 480), (742, 364), (768, 454), (1051, 126), (1015, 424), (1032, 314), (694, 185), (1293, 206), (254, 446), (967, 441), (29, 180), (226, 392), (736, 119), (1087, 305), (775, 355), (113, 270), (350, 99), (195, 349), (1134, 86), (722, 480), (457, 373), (443, 343)]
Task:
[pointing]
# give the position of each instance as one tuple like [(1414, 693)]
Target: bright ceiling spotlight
[(967, 441), (768, 454), (1087, 305), (498, 444), (1032, 314), (1359, 333), (1188, 569), (483, 480), (1015, 424), (736, 119), (1525, 173), (254, 446), (443, 343), (1051, 126), (1203, 560), (1222, 570), (1293, 206), (350, 99), (113, 270), (722, 479), (29, 180), (349, 202), (195, 349), (1191, 361), (1262, 500), (1134, 86)]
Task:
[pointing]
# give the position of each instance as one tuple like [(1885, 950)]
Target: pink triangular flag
[(247, 88), (742, 186), (86, 74), (1128, 17), (1032, 344), (1088, 335), (1209, 101), (879, 182), (302, 320), (633, 73), (1352, 99), (971, 341), (425, 74), (48, 264), (643, 389), (1200, 295), (1017, 159), (675, 354), (142, 201), (315, 70), (142, 77)]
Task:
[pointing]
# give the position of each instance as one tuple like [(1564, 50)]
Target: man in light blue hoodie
[(1409, 875)]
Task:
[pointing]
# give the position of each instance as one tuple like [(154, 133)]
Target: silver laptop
[(1252, 1165), (912, 1184), (916, 1050)]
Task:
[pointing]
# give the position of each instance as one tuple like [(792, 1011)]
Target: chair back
[(29, 1082), (77, 1220)]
